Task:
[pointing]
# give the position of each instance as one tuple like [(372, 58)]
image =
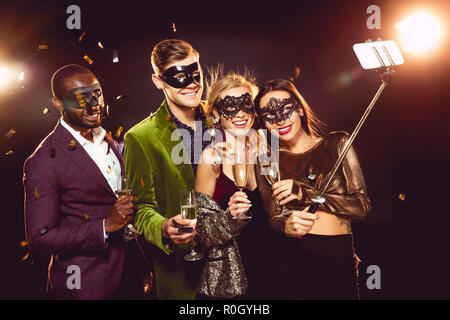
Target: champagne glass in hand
[(129, 232), (270, 170), (188, 208), (240, 175)]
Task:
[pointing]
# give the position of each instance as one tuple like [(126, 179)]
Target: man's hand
[(299, 223), (172, 232), (282, 191), (120, 214)]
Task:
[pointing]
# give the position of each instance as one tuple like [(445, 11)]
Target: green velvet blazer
[(156, 182)]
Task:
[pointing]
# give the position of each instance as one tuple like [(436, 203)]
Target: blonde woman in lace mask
[(318, 257), (230, 105)]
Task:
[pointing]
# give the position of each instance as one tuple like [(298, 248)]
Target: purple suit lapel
[(80, 157)]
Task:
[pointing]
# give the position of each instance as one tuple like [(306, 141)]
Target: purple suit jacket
[(66, 200)]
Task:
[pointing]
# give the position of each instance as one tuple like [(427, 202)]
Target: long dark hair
[(310, 123)]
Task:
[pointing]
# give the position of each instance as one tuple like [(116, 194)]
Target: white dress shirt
[(106, 161)]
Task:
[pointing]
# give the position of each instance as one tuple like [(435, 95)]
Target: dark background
[(403, 146)]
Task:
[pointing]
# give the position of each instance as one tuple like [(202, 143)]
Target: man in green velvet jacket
[(152, 163)]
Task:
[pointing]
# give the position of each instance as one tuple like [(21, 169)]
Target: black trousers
[(317, 267)]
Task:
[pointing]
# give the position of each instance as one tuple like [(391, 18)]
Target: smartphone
[(372, 55)]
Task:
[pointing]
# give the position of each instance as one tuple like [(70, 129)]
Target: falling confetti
[(36, 193), (402, 197), (82, 36), (25, 257), (85, 216), (10, 152), (72, 144), (142, 181), (120, 97), (89, 60), (100, 45), (119, 132), (173, 27), (24, 243), (296, 74), (312, 176), (109, 170), (115, 56), (10, 133), (42, 47), (45, 111)]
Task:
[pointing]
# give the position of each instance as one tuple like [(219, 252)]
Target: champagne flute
[(129, 231), (270, 170), (240, 174), (188, 207)]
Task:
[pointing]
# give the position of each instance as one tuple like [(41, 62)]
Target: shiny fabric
[(223, 275), (346, 196)]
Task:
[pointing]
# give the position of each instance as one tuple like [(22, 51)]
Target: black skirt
[(316, 267)]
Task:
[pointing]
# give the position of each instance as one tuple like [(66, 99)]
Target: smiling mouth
[(92, 117), (284, 129), (191, 93), (240, 124)]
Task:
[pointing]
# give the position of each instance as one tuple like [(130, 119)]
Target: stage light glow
[(21, 76), (4, 76), (420, 33)]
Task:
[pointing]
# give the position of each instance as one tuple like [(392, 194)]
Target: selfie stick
[(386, 74)]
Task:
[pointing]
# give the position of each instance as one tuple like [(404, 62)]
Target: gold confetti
[(85, 216), (173, 26), (401, 196), (119, 132), (142, 181), (25, 257), (109, 170), (10, 152), (36, 193), (80, 99), (118, 97), (89, 60), (24, 243), (46, 111), (168, 117), (100, 45), (72, 144), (42, 47), (10, 133), (82, 36)]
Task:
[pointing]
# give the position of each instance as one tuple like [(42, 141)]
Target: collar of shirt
[(198, 117), (97, 133)]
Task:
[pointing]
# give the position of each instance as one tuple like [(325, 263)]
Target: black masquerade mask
[(182, 76), (84, 97), (229, 106), (278, 110)]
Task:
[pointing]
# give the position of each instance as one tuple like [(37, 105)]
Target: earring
[(216, 123)]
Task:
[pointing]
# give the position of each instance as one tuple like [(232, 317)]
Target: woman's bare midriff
[(329, 224)]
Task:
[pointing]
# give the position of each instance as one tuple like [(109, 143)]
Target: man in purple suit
[(73, 218)]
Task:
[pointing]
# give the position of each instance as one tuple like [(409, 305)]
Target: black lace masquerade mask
[(278, 110), (230, 106), (182, 76)]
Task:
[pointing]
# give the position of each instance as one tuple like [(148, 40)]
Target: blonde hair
[(219, 82)]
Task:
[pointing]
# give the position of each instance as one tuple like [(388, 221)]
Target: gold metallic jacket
[(223, 275), (346, 196)]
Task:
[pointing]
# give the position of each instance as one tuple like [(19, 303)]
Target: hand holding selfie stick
[(380, 55)]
